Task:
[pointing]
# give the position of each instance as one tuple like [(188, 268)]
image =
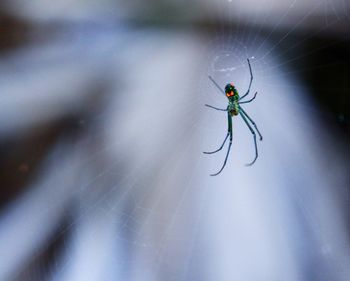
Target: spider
[(233, 109)]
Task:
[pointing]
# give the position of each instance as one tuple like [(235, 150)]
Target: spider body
[(233, 98), (233, 109)]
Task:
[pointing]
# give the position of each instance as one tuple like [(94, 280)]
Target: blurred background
[(103, 124)]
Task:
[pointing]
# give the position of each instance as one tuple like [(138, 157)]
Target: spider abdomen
[(233, 109), (234, 112)]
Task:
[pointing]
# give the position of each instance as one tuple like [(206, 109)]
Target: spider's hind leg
[(228, 152), (211, 152), (254, 135), (251, 120), (229, 119)]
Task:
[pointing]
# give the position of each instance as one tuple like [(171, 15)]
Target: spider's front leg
[(240, 102), (251, 80), (216, 84)]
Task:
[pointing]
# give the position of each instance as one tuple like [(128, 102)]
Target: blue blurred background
[(103, 124)]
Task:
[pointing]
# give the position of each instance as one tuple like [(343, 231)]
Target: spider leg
[(254, 135), (215, 107), (228, 152), (251, 80), (251, 120), (216, 84), (229, 146), (212, 152), (249, 100)]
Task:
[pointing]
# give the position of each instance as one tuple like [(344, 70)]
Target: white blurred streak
[(153, 91), (154, 133)]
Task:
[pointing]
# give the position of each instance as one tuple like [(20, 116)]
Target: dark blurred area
[(322, 62), (330, 76)]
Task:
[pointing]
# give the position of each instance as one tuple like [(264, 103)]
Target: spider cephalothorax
[(230, 90)]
